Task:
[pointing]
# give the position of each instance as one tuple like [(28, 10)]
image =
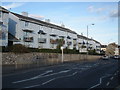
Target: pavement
[(87, 75)]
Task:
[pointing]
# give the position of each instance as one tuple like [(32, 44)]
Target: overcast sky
[(76, 16)]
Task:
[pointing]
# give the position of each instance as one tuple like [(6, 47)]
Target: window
[(0, 14), (2, 35), (26, 23)]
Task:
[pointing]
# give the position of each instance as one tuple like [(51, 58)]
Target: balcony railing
[(57, 41), (28, 30), (42, 40), (69, 43), (52, 41), (28, 39)]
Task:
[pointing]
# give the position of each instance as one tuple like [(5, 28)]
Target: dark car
[(117, 57)]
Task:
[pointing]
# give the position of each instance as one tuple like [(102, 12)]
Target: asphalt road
[(87, 75)]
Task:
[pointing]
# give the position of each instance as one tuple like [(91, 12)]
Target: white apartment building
[(39, 34), (34, 33), (91, 44), (4, 16), (82, 43)]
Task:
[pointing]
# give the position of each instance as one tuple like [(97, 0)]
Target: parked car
[(116, 57), (105, 57)]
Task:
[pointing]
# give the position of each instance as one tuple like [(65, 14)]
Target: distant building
[(111, 49), (103, 47), (116, 51)]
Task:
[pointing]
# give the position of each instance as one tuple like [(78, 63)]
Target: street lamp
[(87, 37)]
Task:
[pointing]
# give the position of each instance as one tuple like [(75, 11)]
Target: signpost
[(62, 53)]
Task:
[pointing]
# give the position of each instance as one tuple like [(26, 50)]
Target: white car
[(105, 57)]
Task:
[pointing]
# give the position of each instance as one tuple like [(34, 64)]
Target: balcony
[(41, 32), (28, 39), (53, 35), (62, 37), (28, 30), (52, 41), (68, 37), (42, 40), (69, 43)]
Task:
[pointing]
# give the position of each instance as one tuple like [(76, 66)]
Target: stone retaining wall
[(38, 58), (30, 60)]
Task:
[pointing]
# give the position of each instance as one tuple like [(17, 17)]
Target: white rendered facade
[(40, 34), (24, 29), (4, 15)]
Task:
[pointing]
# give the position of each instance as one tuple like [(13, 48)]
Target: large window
[(2, 35), (3, 32), (0, 14), (26, 23)]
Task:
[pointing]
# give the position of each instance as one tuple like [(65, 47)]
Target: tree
[(60, 42)]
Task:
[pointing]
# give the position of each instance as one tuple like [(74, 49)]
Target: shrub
[(92, 52), (18, 48), (66, 51)]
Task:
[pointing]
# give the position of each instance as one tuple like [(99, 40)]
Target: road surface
[(87, 75)]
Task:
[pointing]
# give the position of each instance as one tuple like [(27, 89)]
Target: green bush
[(92, 52), (66, 51), (71, 51), (18, 48), (45, 50)]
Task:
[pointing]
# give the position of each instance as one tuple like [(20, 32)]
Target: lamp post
[(87, 38)]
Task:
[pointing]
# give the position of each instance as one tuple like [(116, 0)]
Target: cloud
[(96, 10), (113, 13), (36, 16), (91, 9), (13, 5)]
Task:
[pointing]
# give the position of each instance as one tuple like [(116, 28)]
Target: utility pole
[(87, 39)]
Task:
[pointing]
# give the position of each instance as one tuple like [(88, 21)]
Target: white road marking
[(41, 76), (33, 86), (33, 77), (34, 70), (94, 86), (48, 81), (115, 74), (111, 78), (100, 81), (57, 73), (51, 80), (107, 83)]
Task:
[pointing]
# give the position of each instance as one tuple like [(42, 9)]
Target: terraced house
[(36, 33)]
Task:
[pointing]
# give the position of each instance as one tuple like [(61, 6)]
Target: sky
[(76, 16)]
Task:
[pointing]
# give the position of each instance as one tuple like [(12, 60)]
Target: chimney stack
[(25, 14), (47, 20)]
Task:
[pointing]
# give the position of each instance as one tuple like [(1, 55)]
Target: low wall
[(11, 61)]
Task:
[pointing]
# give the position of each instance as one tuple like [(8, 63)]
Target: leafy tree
[(60, 43)]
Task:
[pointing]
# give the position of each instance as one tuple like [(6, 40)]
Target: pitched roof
[(4, 10), (97, 41), (36, 21), (81, 36)]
